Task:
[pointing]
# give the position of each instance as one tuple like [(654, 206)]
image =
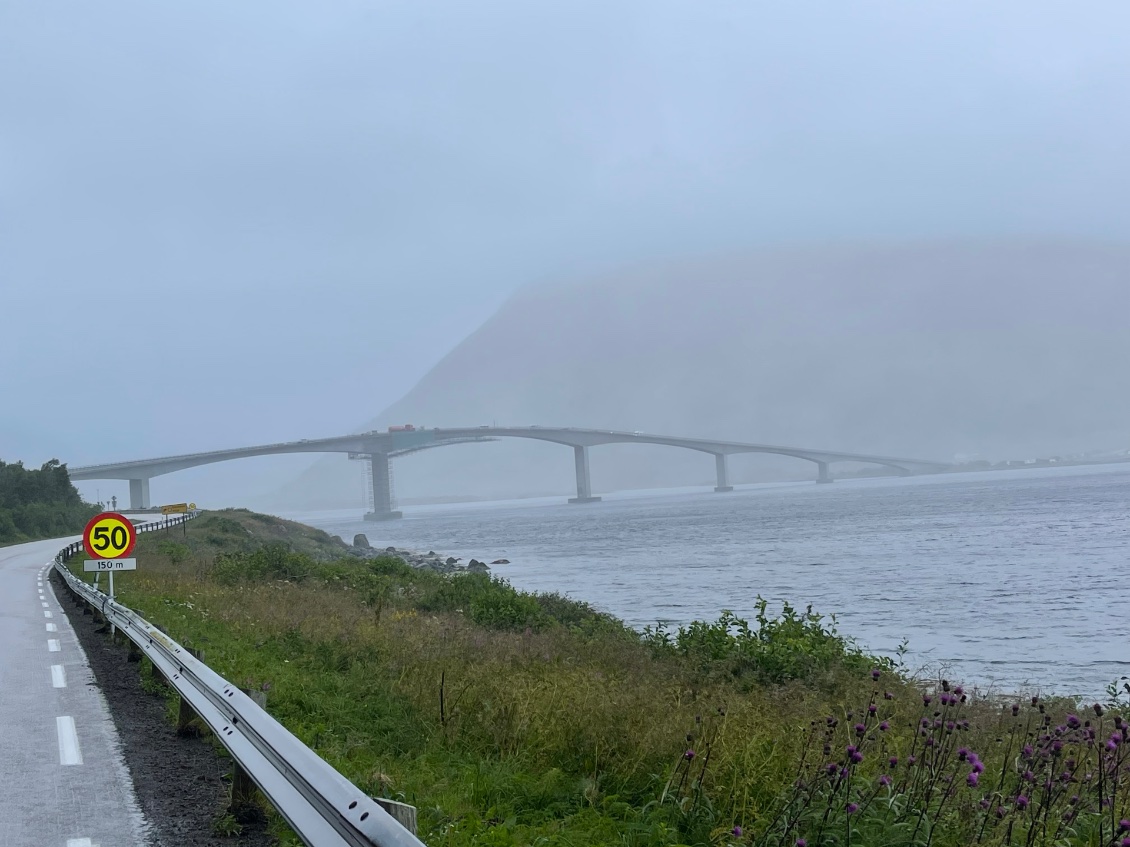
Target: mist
[(225, 225)]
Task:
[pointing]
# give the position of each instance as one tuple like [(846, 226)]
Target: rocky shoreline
[(433, 561)]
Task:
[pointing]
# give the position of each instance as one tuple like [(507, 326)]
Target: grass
[(510, 718)]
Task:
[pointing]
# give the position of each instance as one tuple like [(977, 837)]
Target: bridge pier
[(722, 473), (382, 490), (139, 493), (822, 473), (584, 483)]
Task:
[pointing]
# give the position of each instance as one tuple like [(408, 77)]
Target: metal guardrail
[(323, 807)]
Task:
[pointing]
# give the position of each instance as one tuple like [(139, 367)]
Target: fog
[(229, 224)]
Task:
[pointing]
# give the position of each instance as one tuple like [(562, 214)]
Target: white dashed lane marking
[(53, 645), (52, 628), (46, 614), (80, 842), (44, 604), (58, 676), (69, 753)]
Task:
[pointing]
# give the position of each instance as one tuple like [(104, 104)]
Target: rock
[(501, 562), (359, 540), (475, 566), (390, 549), (451, 560)]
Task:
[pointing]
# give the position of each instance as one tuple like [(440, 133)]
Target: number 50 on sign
[(109, 536)]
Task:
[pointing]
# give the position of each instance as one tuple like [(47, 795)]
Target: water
[(1007, 580)]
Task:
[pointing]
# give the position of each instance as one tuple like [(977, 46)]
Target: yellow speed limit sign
[(109, 536)]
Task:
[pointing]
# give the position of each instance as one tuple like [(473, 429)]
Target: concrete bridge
[(380, 447)]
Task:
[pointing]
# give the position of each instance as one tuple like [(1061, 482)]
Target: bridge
[(379, 448)]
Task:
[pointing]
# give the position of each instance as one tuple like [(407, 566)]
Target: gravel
[(182, 784)]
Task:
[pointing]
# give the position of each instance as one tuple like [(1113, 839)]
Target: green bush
[(795, 646)]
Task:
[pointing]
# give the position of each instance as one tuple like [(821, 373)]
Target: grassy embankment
[(510, 718)]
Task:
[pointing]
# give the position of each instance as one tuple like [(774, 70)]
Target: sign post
[(108, 539)]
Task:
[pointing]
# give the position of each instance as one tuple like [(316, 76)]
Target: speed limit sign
[(109, 536)]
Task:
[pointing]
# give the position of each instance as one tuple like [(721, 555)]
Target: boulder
[(359, 540), (476, 566), (451, 560), (501, 562)]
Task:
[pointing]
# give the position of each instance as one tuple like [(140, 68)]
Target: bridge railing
[(323, 807)]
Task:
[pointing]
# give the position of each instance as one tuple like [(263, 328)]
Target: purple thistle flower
[(1124, 825), (962, 754), (1022, 802), (884, 780), (860, 729), (888, 695), (872, 709), (894, 761), (852, 808), (875, 674), (910, 760), (884, 726), (958, 690), (800, 842), (736, 832), (689, 755), (1125, 842), (1015, 709), (926, 698), (972, 779), (1026, 753), (1073, 721)]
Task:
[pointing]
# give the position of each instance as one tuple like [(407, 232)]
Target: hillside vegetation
[(39, 503), (510, 718)]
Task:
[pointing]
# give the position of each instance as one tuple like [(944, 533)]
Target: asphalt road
[(66, 785)]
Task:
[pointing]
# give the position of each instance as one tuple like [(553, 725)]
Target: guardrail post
[(187, 719), (402, 813), (243, 791)]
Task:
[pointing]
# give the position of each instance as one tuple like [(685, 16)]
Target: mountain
[(923, 350)]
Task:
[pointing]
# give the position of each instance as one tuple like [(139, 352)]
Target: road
[(66, 785)]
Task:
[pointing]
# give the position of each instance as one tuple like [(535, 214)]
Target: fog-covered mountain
[(930, 351)]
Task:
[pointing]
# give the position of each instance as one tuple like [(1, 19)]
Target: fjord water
[(1005, 580)]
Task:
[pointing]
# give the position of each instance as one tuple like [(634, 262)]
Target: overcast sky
[(230, 223)]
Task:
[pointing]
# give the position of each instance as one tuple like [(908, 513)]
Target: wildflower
[(831, 768), (872, 709), (888, 695), (1035, 700), (1015, 709), (852, 808), (894, 761), (962, 754), (860, 729), (910, 760), (950, 726), (689, 755), (1028, 776), (926, 698), (959, 691), (884, 726), (884, 780), (1026, 753), (800, 842), (972, 779), (1117, 722), (875, 674), (736, 832), (856, 757), (984, 804), (945, 685), (1124, 825), (1125, 842), (1022, 802), (1073, 722)]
